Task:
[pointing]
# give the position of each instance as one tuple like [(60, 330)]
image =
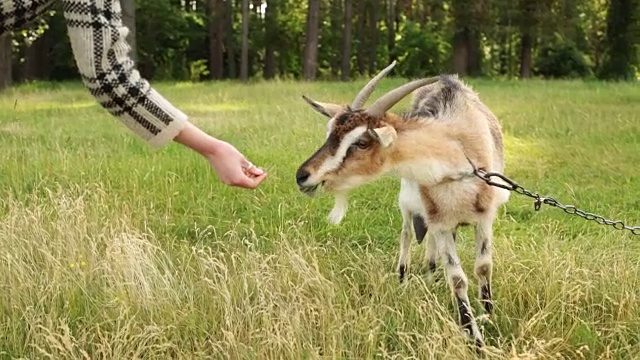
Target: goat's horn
[(366, 91), (386, 102)]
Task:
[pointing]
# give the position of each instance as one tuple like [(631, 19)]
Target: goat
[(434, 149)]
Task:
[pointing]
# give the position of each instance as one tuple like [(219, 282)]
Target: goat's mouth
[(310, 190)]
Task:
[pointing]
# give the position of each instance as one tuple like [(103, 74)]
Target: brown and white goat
[(431, 148)]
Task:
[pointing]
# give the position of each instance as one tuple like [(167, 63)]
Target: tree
[(244, 56), (310, 59), (360, 36), (129, 20), (461, 15), (6, 78), (373, 35), (534, 16), (623, 20), (336, 41), (229, 43), (528, 22), (468, 17), (271, 38), (391, 29), (345, 72), (180, 40), (215, 16)]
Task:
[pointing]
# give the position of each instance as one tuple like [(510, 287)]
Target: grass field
[(109, 249)]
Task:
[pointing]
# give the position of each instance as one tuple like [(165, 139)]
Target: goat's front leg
[(405, 244), (484, 262), (458, 283)]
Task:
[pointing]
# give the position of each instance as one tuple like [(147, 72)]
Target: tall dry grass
[(111, 251)]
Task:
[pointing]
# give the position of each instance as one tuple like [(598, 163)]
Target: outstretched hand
[(233, 168), (231, 165)]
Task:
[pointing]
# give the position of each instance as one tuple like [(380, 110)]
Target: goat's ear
[(386, 135), (327, 109)]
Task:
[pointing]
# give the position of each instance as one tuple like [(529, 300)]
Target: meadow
[(112, 250)]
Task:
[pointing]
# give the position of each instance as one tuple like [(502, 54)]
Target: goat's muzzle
[(302, 178)]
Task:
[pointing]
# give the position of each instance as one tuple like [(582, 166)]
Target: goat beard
[(340, 205)]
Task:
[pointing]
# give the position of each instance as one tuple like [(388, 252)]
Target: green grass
[(109, 249)]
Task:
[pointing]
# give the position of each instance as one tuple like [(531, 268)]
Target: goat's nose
[(301, 176)]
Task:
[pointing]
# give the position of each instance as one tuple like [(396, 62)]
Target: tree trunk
[(399, 11), (408, 8), (346, 41), (244, 56), (415, 12), (310, 60), (460, 52), (425, 13), (391, 34), (36, 63), (6, 78), (360, 35), (620, 38), (473, 54), (337, 19), (271, 39), (229, 43), (373, 35), (215, 17), (525, 55), (129, 20)]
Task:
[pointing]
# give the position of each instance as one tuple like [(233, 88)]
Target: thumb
[(250, 169), (255, 171)]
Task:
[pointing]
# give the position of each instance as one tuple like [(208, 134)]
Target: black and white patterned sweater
[(98, 41)]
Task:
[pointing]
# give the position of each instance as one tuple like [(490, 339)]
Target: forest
[(199, 40)]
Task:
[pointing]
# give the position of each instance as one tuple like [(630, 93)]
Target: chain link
[(569, 209)]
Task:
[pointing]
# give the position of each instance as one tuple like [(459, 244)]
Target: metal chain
[(569, 209)]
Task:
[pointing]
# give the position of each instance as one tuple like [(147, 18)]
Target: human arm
[(98, 41), (232, 167)]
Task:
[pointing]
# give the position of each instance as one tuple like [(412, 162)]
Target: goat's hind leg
[(430, 254), (484, 262), (458, 283), (421, 229)]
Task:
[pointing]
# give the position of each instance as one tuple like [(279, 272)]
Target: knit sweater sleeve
[(16, 13), (98, 41)]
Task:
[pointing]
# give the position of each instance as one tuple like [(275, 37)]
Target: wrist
[(194, 138)]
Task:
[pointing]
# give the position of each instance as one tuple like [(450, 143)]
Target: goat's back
[(450, 99)]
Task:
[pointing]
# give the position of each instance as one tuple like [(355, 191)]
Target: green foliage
[(571, 38), (562, 60), (163, 38), (198, 70), (420, 50)]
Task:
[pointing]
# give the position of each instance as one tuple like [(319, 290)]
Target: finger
[(246, 164), (250, 182), (259, 179), (255, 171)]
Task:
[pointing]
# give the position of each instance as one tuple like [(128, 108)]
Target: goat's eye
[(361, 144)]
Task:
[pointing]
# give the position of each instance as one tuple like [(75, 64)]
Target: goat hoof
[(402, 269), (479, 348), (488, 306)]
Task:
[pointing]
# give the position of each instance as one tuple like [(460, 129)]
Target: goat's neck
[(428, 152)]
